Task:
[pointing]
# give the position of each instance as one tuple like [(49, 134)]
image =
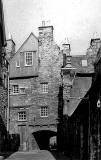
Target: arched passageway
[(43, 138)]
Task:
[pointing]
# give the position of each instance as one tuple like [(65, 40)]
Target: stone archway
[(36, 137), (42, 138)]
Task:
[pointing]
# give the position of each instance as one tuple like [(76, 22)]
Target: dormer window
[(84, 63), (28, 58)]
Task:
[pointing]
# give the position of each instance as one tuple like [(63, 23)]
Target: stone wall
[(3, 103)]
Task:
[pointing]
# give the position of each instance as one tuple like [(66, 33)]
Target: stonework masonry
[(45, 71), (3, 84)]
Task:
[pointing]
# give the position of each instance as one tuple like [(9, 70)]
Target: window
[(22, 90), (28, 58), (22, 116), (17, 63), (44, 87), (84, 63), (15, 89), (44, 111)]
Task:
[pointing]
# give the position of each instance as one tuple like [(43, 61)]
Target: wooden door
[(22, 132)]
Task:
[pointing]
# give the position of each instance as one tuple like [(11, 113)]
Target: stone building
[(79, 113), (34, 88), (3, 83)]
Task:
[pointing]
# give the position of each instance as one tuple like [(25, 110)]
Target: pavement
[(36, 155)]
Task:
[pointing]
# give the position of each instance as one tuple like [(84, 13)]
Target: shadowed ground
[(37, 155)]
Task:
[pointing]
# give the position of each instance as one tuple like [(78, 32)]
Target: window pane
[(15, 89), (29, 58), (44, 87), (22, 116), (44, 111)]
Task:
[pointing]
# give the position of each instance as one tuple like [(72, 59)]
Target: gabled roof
[(31, 34), (27, 40), (30, 44)]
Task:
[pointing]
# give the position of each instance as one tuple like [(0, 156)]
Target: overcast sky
[(76, 19)]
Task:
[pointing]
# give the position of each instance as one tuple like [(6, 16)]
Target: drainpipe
[(89, 134), (8, 109), (27, 125)]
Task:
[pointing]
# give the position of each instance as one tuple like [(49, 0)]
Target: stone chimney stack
[(95, 43), (45, 34), (66, 52), (10, 49), (66, 47)]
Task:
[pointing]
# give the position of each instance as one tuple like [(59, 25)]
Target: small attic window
[(84, 63), (18, 63)]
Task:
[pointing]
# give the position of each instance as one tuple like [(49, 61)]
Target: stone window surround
[(31, 52), (44, 111), (22, 115)]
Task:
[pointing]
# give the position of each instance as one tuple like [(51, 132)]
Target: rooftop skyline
[(77, 20)]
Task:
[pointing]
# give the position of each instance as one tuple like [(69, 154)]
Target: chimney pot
[(43, 23)]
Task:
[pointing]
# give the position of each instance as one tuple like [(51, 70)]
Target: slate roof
[(77, 63), (82, 81), (79, 89)]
